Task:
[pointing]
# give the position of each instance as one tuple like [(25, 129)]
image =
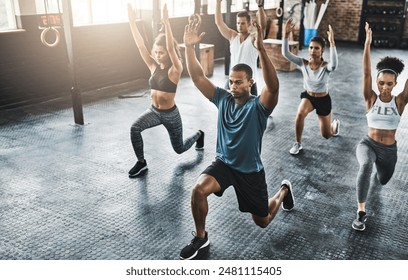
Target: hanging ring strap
[(48, 28), (279, 12), (44, 33)]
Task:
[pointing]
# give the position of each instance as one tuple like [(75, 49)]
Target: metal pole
[(280, 20), (302, 27), (227, 48), (197, 6), (75, 93)]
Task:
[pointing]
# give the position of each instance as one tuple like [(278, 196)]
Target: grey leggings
[(171, 120), (385, 158)]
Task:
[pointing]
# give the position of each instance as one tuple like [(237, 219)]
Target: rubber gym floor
[(65, 192)]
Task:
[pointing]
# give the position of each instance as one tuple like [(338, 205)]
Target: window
[(267, 4), (180, 8), (104, 11), (7, 15), (108, 11), (48, 6), (238, 5)]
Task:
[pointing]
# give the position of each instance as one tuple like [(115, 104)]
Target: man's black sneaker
[(200, 141), (288, 201), (137, 169), (359, 222), (191, 250)]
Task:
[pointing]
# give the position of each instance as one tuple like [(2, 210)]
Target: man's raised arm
[(196, 72), (225, 31), (261, 16), (270, 92)]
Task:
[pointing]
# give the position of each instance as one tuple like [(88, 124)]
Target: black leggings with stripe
[(171, 120)]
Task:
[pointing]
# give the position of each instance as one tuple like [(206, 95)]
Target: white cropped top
[(313, 80), (384, 115)]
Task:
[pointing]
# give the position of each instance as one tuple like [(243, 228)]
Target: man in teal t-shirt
[(242, 121)]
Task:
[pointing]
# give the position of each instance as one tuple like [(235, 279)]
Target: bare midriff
[(386, 137), (162, 100), (317, 94)]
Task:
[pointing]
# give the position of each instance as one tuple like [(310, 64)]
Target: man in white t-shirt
[(242, 42)]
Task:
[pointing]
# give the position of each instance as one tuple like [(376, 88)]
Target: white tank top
[(244, 52), (384, 115)]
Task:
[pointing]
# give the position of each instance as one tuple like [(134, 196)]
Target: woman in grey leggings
[(384, 112), (165, 67)]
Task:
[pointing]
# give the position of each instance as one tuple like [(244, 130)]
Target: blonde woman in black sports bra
[(165, 67), (384, 112)]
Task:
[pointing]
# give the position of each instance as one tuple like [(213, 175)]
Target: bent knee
[(178, 150), (301, 115), (200, 190), (205, 186), (366, 166), (327, 135), (384, 180), (261, 224), (135, 129)]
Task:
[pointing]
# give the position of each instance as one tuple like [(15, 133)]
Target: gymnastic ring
[(279, 12), (57, 36)]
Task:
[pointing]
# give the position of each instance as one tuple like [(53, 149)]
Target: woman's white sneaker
[(296, 148)]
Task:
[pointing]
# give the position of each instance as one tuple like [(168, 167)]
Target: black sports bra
[(160, 80)]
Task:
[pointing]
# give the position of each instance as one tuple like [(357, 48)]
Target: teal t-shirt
[(240, 131)]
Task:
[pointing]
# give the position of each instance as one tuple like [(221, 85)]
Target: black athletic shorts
[(250, 188), (323, 105)]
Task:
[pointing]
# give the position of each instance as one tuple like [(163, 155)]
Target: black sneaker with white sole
[(288, 202), (138, 169), (359, 222), (191, 250)]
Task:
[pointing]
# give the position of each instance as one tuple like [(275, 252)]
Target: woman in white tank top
[(384, 111)]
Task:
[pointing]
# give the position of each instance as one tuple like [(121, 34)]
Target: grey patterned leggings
[(171, 120), (369, 152)]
